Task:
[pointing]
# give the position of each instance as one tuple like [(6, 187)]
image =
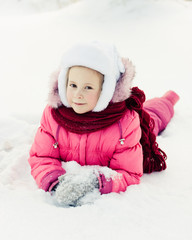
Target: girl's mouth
[(79, 104)]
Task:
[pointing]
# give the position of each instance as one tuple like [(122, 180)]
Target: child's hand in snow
[(73, 187)]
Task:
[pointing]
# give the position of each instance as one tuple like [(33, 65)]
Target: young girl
[(95, 118)]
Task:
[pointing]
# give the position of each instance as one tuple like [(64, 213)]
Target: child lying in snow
[(95, 118)]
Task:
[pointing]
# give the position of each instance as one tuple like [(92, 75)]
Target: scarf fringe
[(153, 157)]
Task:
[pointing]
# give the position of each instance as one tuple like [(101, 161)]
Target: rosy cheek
[(94, 98), (69, 96)]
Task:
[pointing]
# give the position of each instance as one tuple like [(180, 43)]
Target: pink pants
[(161, 110)]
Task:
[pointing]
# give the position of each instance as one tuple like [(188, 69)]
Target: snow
[(25, 7), (156, 35)]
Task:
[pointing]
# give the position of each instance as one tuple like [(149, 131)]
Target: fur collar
[(122, 90)]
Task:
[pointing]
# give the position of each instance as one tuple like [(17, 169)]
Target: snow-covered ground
[(156, 35)]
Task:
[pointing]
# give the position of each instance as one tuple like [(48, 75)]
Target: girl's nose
[(79, 94)]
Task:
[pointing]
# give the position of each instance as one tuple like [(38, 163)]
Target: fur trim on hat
[(123, 86), (53, 96), (122, 90)]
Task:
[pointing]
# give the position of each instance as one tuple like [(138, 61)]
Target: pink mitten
[(105, 185)]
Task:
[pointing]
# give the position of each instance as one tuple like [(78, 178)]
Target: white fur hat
[(101, 57)]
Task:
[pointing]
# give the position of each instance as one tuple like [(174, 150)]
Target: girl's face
[(83, 88)]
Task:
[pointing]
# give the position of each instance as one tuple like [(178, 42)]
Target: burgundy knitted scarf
[(153, 157)]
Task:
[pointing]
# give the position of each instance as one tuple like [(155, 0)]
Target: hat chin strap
[(62, 86)]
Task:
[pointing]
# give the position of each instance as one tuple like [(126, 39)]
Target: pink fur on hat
[(123, 86)]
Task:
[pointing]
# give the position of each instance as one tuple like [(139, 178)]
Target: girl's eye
[(88, 87), (73, 85)]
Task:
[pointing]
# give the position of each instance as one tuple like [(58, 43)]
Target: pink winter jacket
[(102, 148)]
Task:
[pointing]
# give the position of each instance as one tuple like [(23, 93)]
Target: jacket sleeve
[(44, 158), (128, 158)]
